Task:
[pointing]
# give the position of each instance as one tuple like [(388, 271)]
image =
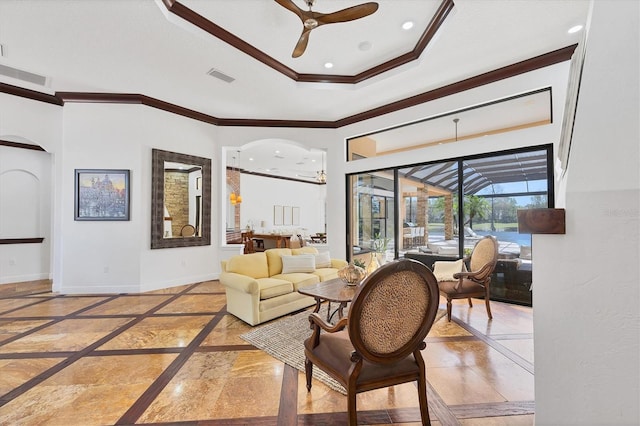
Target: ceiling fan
[(311, 19)]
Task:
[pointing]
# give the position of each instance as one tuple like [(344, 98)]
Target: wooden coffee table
[(334, 290)]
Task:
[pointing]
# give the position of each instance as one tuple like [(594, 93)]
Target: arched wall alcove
[(26, 190), (20, 210)]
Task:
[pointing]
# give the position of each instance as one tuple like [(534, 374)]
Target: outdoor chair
[(475, 282), (378, 344)]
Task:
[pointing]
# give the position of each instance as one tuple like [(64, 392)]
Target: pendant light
[(322, 176), (455, 120)]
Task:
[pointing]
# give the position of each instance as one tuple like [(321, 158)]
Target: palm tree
[(475, 206)]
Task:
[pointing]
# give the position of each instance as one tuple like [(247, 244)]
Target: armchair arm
[(317, 323), (316, 319), (240, 282), (338, 263), (478, 276)]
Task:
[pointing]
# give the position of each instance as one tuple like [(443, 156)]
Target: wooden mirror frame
[(158, 158)]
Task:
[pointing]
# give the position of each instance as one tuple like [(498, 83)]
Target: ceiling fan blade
[(301, 46), (290, 5), (348, 14)]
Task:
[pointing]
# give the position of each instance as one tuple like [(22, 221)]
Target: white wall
[(586, 297), (25, 212), (26, 121), (260, 194), (97, 257)]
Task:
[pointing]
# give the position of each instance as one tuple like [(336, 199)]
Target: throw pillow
[(323, 260), (299, 263), (444, 270)]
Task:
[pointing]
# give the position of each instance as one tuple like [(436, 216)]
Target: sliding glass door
[(439, 210), (372, 216)]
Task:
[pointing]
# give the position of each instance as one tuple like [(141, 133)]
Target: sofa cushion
[(323, 259), (300, 263), (272, 287), (253, 265), (304, 250), (298, 279), (326, 274), (274, 259)]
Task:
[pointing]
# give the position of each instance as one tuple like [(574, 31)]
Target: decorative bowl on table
[(352, 274)]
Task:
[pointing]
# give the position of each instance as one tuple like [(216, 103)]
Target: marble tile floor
[(175, 356)]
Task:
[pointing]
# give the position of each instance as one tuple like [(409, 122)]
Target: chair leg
[(470, 303), (351, 408), (308, 370), (424, 406), (486, 302), (448, 309)]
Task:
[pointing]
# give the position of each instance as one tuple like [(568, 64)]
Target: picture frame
[(101, 195), (278, 215), (287, 216), (295, 216)]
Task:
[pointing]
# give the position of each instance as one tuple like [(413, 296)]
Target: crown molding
[(29, 94), (541, 61), (204, 24)]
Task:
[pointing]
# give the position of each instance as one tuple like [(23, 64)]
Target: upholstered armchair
[(378, 344), (475, 282)]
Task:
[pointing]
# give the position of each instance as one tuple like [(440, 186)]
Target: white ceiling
[(138, 46)]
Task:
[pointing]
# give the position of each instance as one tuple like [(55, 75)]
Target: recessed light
[(250, 158), (407, 25), (277, 151), (574, 29), (328, 65)]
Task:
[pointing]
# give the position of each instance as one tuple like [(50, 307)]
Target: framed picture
[(378, 207), (101, 194), (278, 215), (287, 215), (295, 216)]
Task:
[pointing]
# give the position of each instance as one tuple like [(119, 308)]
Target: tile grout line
[(16, 392), (439, 408), (288, 411), (144, 401), (497, 346), (54, 319)]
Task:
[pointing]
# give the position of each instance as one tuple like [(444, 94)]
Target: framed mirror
[(180, 200)]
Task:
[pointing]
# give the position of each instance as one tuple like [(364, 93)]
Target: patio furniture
[(475, 282)]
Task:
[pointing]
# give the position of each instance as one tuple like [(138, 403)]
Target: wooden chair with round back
[(188, 231), (378, 344), (474, 283)]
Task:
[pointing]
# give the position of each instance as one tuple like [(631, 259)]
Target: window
[(433, 223)]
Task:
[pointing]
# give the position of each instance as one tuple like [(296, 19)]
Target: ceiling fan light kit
[(311, 19)]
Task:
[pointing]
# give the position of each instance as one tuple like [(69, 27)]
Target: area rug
[(284, 338)]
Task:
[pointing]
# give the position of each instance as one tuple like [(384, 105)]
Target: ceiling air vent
[(220, 75), (23, 75)]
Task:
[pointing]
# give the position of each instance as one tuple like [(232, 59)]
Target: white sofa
[(263, 286)]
